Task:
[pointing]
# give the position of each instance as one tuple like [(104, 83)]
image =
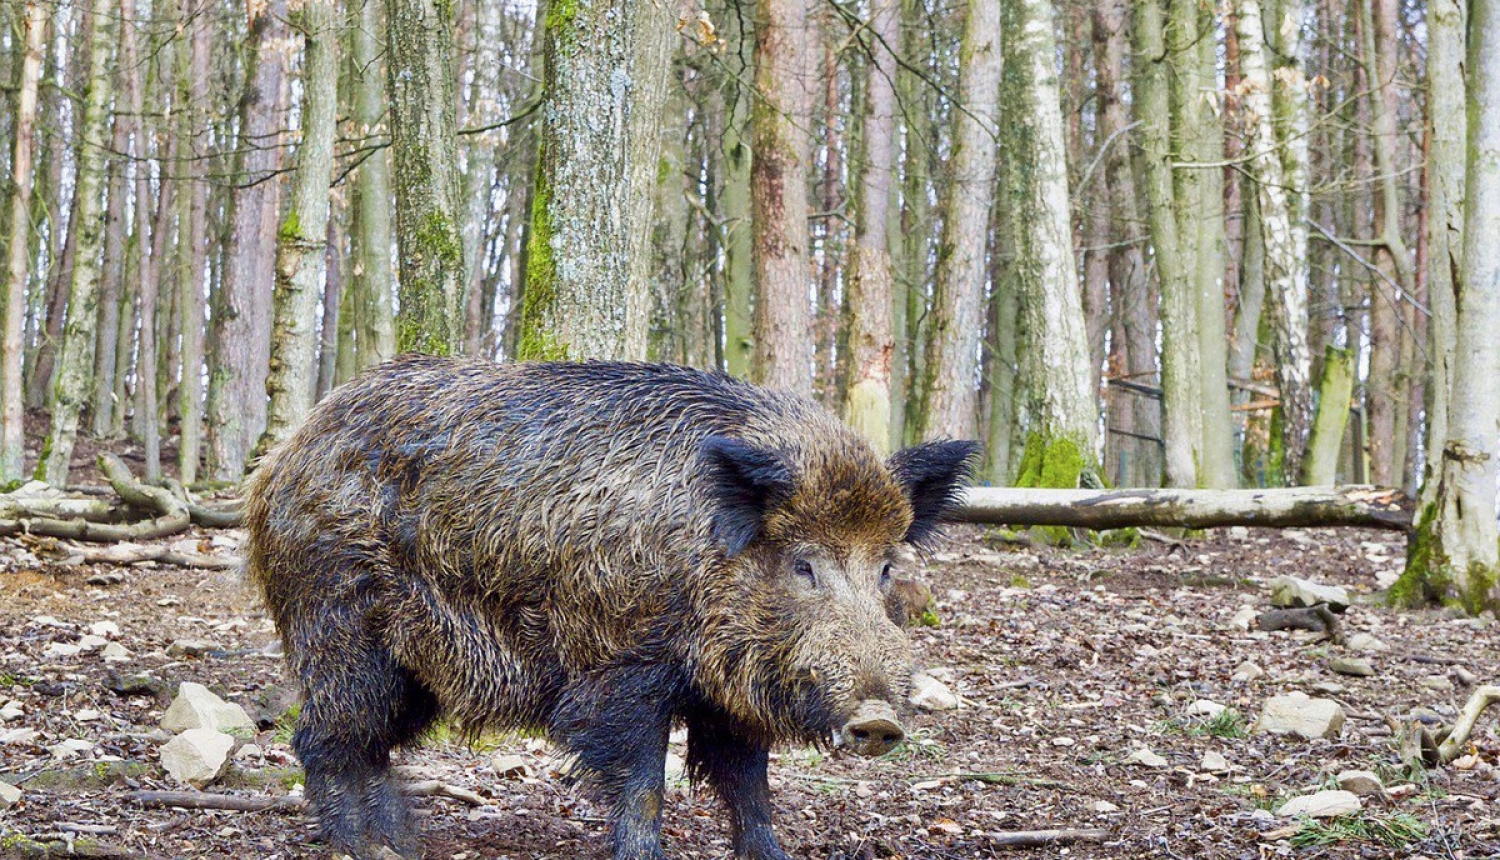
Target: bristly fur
[(593, 550)]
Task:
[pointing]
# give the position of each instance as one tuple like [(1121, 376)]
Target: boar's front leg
[(618, 721), (735, 767)]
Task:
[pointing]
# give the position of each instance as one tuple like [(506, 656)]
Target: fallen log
[(171, 516), (1290, 507)]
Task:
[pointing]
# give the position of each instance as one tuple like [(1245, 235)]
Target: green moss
[(930, 618), (1055, 462), (559, 18), (426, 324), (537, 342), (1474, 597), (1426, 576), (1129, 538), (290, 226)]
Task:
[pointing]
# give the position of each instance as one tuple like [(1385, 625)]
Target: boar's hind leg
[(617, 721), (735, 767), (359, 705)]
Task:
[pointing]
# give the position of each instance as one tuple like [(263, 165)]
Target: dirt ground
[(1067, 663)]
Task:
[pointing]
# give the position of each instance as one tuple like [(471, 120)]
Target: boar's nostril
[(873, 729)]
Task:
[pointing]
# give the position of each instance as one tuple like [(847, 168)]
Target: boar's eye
[(804, 569), (885, 577)]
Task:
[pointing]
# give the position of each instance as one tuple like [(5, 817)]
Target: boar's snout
[(873, 730)]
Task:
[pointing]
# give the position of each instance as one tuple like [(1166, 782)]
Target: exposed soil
[(1067, 662)]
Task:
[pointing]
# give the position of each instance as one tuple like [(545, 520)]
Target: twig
[(995, 778), (205, 800), (1040, 838), (1482, 698), (127, 553)]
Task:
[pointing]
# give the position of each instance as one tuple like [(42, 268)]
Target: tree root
[(1317, 619)]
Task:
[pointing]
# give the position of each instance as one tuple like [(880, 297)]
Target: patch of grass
[(1019, 581), (1395, 830), (1255, 793), (286, 724), (917, 747), (1228, 723)]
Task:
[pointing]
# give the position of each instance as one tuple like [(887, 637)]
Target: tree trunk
[(107, 327), (192, 223), (872, 340), (739, 268), (75, 360), (1063, 411), (370, 278), (18, 246), (1447, 125), (1320, 466), (1455, 556), (1286, 269), (1296, 507), (484, 106), (302, 243), (242, 315), (780, 123), (589, 268), (951, 400), (420, 80), (1180, 358)]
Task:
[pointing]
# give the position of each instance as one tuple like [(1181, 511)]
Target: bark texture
[(371, 283)]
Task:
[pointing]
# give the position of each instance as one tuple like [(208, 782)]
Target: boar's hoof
[(873, 730)]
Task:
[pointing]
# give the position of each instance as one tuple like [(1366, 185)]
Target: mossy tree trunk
[(950, 398), (1054, 352), (302, 246), (1455, 554), (368, 293), (193, 83), (421, 86), (780, 128), (75, 361), (872, 340), (1320, 465), (18, 245), (589, 257)]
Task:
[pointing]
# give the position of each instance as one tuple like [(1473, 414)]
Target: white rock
[(510, 765), (86, 715), (1322, 804), (1205, 708), (1365, 643), (1214, 762), (12, 711), (9, 795), (106, 629), (71, 748), (1239, 532), (114, 652), (1146, 758), (930, 694), (49, 621), (197, 756), (1296, 714), (1247, 671), (19, 736), (1243, 618), (197, 708), (61, 651), (676, 768), (1063, 741), (1291, 591), (89, 642), (1436, 683), (1361, 782), (1356, 667), (248, 751), (1103, 806)]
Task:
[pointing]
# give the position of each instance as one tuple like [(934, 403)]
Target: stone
[(1205, 708), (676, 768), (1214, 762), (106, 629), (1244, 618), (510, 766), (1322, 804), (1436, 683), (191, 648), (1146, 758), (1365, 643), (197, 708), (139, 684), (1357, 667), (197, 756), (114, 652), (9, 795), (248, 751), (89, 642), (1361, 782), (1328, 688), (86, 715), (19, 736), (1247, 671), (12, 711), (1289, 591), (1465, 677), (1297, 714), (1104, 807), (72, 748), (930, 694), (61, 651)]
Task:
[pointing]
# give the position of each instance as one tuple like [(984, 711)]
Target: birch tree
[(780, 123), (951, 402), (1285, 262), (302, 245), (588, 274), (370, 289), (1062, 434), (71, 384), (421, 85), (192, 219)]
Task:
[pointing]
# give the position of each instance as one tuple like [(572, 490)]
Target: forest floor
[(1067, 662)]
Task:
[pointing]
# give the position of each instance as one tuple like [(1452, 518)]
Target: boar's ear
[(932, 475), (745, 482)]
